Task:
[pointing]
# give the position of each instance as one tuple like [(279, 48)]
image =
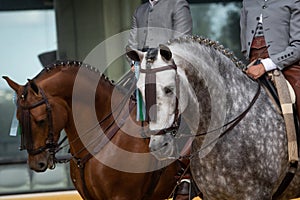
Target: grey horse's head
[(168, 91), (173, 94)]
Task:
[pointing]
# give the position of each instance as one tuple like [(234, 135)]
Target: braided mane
[(213, 44), (72, 63)]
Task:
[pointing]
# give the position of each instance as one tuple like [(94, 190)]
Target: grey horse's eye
[(169, 90)]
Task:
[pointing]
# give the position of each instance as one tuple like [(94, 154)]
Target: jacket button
[(252, 31), (264, 6), (257, 18)]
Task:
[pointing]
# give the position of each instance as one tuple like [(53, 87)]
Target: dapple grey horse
[(239, 149)]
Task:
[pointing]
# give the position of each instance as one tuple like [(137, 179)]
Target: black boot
[(182, 191)]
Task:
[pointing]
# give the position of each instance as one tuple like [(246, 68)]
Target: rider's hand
[(256, 71)]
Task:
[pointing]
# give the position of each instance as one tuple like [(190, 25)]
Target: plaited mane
[(72, 63), (213, 44)]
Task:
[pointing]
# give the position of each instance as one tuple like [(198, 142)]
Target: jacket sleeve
[(291, 54), (182, 18), (133, 40)]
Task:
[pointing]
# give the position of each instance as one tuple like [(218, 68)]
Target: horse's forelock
[(152, 54)]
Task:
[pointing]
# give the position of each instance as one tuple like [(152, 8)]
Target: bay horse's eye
[(168, 91), (41, 122)]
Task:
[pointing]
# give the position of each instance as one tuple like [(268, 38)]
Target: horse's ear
[(165, 52), (13, 85), (33, 86), (134, 54)]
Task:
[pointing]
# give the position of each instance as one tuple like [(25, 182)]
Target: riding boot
[(186, 189), (182, 191), (183, 177)]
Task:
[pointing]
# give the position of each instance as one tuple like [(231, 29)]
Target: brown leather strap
[(81, 166), (150, 96), (81, 162), (150, 90), (159, 69)]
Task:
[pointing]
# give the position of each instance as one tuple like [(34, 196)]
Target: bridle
[(50, 145), (25, 122), (150, 95)]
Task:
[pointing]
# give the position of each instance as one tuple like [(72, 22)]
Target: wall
[(82, 25)]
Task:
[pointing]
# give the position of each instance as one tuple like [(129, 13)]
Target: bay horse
[(109, 158), (239, 148)]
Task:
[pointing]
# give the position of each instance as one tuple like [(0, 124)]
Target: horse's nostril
[(165, 144), (154, 148), (41, 165)]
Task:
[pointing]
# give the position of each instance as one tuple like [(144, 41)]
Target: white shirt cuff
[(268, 64)]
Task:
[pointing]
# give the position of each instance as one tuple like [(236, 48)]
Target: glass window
[(24, 35)]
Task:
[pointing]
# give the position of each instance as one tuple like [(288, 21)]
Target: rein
[(232, 123), (108, 116), (236, 120)]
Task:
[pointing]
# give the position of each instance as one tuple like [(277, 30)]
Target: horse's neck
[(87, 95), (223, 90), (79, 84), (91, 104)]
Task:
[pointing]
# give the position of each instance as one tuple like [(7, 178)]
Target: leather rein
[(231, 124)]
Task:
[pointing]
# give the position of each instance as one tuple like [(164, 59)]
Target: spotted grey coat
[(250, 161)]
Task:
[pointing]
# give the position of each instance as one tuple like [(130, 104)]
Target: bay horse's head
[(41, 118)]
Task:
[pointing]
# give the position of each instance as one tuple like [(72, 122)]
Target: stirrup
[(183, 188)]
